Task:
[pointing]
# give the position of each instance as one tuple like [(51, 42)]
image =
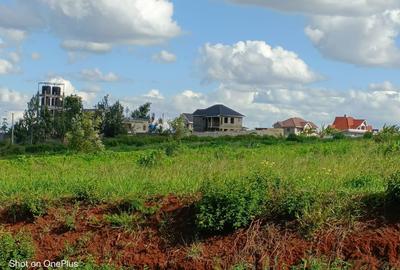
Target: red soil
[(165, 241)]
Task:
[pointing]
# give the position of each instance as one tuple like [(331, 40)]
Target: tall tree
[(4, 125), (111, 118), (83, 136), (73, 108), (142, 112)]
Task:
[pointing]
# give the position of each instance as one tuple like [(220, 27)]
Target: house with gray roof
[(217, 118)]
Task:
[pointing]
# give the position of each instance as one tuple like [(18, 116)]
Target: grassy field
[(314, 183)]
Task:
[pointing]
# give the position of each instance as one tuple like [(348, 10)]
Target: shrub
[(149, 159), (19, 248), (368, 135), (27, 210), (392, 196), (171, 149), (391, 147), (10, 150), (338, 136), (230, 204), (87, 193), (292, 204), (360, 181), (293, 138)]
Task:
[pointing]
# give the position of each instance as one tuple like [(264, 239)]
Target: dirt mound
[(167, 240)]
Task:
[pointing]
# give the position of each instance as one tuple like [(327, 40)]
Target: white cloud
[(254, 63), (164, 57), (360, 32), (364, 41), (98, 76), (154, 94), (326, 7), (93, 25), (12, 36), (7, 67), (88, 95), (93, 47)]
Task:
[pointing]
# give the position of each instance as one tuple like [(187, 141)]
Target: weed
[(27, 209), (124, 221), (195, 251), (230, 204), (392, 196), (19, 248), (149, 159)]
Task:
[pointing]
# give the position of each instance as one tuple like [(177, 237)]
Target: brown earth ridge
[(167, 240)]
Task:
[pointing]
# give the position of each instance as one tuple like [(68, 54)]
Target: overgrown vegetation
[(19, 248)]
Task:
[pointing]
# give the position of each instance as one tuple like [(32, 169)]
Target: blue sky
[(313, 58)]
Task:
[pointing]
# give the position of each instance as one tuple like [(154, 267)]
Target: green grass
[(311, 182)]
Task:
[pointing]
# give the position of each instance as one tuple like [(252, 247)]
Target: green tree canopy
[(142, 112)]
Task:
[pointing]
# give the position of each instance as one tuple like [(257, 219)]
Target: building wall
[(139, 127), (276, 132), (199, 124)]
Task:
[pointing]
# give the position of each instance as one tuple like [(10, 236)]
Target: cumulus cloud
[(7, 67), (92, 25), (164, 57), (326, 7), (373, 38), (83, 46), (97, 75), (154, 94), (254, 63), (372, 26)]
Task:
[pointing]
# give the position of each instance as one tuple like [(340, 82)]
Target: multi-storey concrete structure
[(217, 118), (51, 96)]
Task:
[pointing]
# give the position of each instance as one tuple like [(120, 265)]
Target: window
[(226, 120), (232, 120)]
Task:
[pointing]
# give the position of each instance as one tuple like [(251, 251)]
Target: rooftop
[(217, 110)]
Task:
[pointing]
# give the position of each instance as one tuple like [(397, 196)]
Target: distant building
[(188, 118), (51, 96), (136, 126), (351, 127), (217, 118), (297, 126)]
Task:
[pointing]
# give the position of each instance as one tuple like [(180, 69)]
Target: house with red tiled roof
[(350, 126), (296, 125)]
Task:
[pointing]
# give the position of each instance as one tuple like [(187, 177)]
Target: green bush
[(292, 204), (86, 193), (368, 135), (43, 148), (230, 204), (149, 159), (27, 209), (392, 196), (11, 150), (360, 182), (338, 136), (171, 149), (19, 248)]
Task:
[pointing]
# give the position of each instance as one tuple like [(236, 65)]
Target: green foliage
[(230, 204), (392, 196), (387, 134), (292, 204), (368, 135), (360, 181), (179, 129), (18, 248), (124, 220), (87, 193), (338, 136), (143, 112), (149, 159), (391, 147), (111, 118), (4, 126), (323, 264), (293, 138), (27, 209), (84, 137)]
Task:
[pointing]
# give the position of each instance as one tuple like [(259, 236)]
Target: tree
[(83, 136), (179, 128), (111, 117), (142, 112), (30, 120), (73, 108), (4, 126)]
